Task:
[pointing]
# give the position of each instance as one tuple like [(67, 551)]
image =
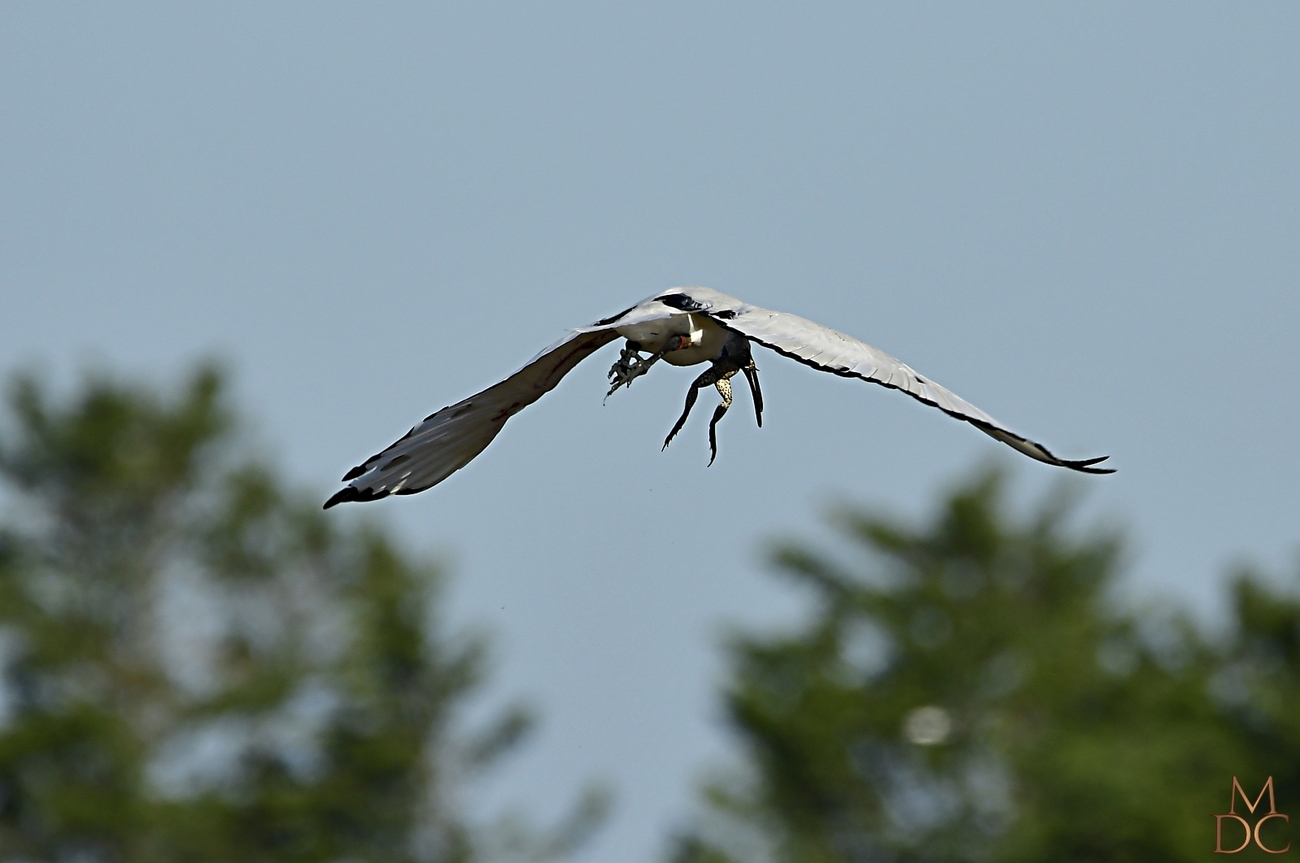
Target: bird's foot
[(631, 365)]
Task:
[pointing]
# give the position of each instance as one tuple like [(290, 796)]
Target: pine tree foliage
[(201, 666), (969, 689)]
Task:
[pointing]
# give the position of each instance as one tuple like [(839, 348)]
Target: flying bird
[(682, 327)]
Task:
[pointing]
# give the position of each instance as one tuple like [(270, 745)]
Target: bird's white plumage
[(447, 440)]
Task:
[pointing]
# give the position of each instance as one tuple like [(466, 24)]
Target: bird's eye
[(681, 301)]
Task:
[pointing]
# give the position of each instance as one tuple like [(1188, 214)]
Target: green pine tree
[(201, 666), (968, 690)]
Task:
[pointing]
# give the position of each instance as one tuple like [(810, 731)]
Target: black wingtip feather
[(352, 493), (354, 473), (1085, 465), (347, 494)]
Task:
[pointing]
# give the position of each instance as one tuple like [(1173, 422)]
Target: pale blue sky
[(1082, 218)]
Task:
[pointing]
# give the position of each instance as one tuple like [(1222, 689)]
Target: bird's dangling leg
[(631, 366), (720, 377), (724, 389), (751, 375), (692, 394)]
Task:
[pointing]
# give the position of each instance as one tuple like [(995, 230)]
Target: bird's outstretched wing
[(832, 351), (447, 440)]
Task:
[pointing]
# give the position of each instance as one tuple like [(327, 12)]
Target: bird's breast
[(707, 338)]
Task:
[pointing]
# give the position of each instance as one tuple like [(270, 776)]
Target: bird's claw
[(629, 367)]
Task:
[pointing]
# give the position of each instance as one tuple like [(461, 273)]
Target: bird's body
[(682, 326), (706, 338)]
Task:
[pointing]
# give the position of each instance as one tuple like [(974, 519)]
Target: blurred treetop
[(201, 666), (967, 691)]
